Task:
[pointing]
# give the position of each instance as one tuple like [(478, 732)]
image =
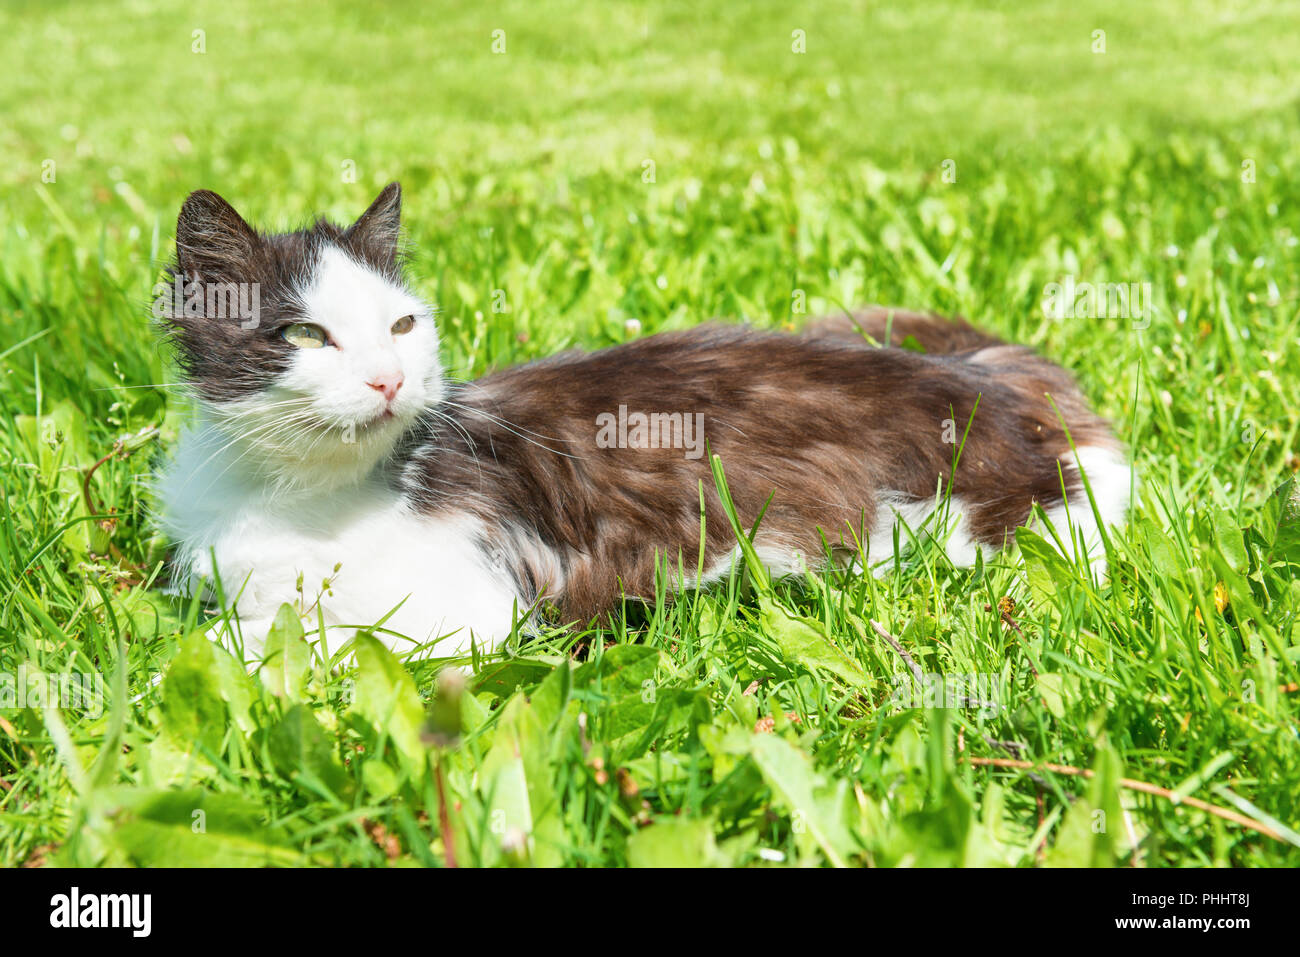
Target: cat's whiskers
[(260, 429), (248, 434), (514, 430), (470, 444), (497, 419), (178, 386)]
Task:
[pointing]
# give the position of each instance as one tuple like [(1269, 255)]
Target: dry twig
[(1133, 785)]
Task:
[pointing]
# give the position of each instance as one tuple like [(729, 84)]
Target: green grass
[(774, 172)]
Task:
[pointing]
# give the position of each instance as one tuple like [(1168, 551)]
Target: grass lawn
[(598, 163)]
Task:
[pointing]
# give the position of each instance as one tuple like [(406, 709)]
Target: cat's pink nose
[(387, 384)]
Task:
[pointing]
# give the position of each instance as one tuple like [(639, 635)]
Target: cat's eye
[(304, 335), (402, 326)]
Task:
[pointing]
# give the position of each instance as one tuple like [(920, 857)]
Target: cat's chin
[(343, 456), (319, 456), (384, 420)]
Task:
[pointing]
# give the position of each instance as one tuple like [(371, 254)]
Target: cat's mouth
[(379, 421)]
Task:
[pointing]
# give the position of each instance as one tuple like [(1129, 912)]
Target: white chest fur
[(376, 553)]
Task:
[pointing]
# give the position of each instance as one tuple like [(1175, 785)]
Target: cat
[(334, 464)]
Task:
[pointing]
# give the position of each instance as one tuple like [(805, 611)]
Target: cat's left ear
[(375, 235)]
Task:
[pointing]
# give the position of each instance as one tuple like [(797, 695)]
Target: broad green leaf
[(60, 440), (235, 687), (170, 764), (621, 670), (1166, 560), (1057, 692), (379, 779), (790, 775), (473, 713), (385, 697), (1045, 568), (146, 614), (1227, 535), (939, 834), (674, 842), (728, 748), (193, 709), (986, 844), (634, 708), (806, 643), (195, 829), (1280, 521), (518, 785), (502, 678), (287, 657), (553, 694), (1088, 835), (298, 745), (634, 722)]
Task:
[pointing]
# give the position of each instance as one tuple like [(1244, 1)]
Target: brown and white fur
[(466, 505)]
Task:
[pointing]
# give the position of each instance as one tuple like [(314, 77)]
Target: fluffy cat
[(329, 446)]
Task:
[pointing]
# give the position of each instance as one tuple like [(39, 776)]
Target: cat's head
[(306, 348)]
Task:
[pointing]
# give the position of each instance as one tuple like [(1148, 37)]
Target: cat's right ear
[(375, 236), (213, 242)]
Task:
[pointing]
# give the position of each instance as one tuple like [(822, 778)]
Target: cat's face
[(305, 347)]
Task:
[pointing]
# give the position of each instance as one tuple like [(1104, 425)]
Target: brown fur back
[(827, 426)]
